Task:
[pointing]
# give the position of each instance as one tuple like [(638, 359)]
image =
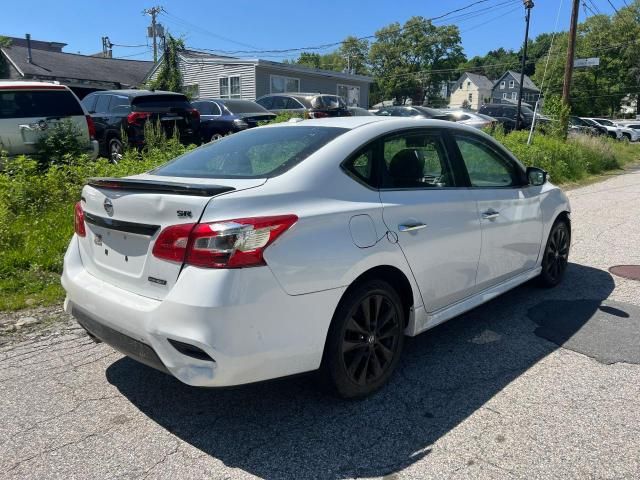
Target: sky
[(270, 25)]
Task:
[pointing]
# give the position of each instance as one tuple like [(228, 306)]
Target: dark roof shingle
[(81, 67)]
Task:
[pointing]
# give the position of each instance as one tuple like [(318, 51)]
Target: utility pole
[(153, 11), (568, 69), (528, 5)]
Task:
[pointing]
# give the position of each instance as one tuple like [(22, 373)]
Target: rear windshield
[(328, 102), (39, 103), (254, 153), (243, 106), (160, 102)]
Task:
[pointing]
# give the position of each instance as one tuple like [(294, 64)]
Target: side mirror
[(536, 176)]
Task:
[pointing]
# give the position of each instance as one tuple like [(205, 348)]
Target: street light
[(528, 5)]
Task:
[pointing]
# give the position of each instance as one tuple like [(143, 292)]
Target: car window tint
[(416, 160), (160, 102), (253, 153), (39, 103), (89, 102), (486, 167), (361, 165), (279, 103), (292, 103), (266, 102), (119, 105), (102, 105)]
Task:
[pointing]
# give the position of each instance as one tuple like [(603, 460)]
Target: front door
[(435, 221), (508, 207)]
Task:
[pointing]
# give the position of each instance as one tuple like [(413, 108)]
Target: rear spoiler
[(158, 186)]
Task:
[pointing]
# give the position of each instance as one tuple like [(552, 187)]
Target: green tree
[(169, 77), (355, 54), (407, 61)]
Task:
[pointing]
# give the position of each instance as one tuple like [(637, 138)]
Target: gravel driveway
[(535, 384)]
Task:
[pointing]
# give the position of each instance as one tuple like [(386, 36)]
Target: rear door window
[(102, 105), (39, 103)]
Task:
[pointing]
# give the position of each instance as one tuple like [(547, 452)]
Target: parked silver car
[(472, 119)]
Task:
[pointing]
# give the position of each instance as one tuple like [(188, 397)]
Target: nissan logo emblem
[(108, 206)]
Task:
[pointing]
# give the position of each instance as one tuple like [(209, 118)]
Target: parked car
[(612, 129), (628, 133), (311, 245), (308, 105), (505, 114), (117, 111), (601, 130), (28, 110), (359, 112), (220, 117), (413, 111), (472, 119), (579, 126)]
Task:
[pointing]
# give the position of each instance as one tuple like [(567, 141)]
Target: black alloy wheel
[(365, 340), (556, 254)]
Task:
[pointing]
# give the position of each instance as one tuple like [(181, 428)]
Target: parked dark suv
[(311, 105), (220, 117), (505, 114), (115, 111)]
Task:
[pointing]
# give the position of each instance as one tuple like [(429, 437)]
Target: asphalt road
[(535, 384)]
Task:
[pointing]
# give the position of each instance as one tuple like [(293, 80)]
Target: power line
[(613, 6), (129, 46), (135, 54), (366, 37)]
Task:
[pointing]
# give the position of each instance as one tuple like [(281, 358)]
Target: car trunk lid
[(124, 217)]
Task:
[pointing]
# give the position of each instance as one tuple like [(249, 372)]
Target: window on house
[(350, 94), (230, 87), (502, 84), (514, 96), (471, 97), (468, 85), (192, 91), (280, 84), (512, 83), (504, 95)]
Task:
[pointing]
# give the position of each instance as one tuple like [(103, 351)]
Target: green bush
[(60, 145)]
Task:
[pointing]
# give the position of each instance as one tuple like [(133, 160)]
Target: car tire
[(626, 137), (556, 254), (365, 340), (215, 137), (115, 150)]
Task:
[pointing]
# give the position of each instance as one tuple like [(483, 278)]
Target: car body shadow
[(291, 429)]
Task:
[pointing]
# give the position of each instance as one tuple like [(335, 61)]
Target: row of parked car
[(29, 109)]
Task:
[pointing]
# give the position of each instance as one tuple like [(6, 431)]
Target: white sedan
[(316, 245)]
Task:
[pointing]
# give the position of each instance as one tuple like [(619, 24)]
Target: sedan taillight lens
[(135, 118), (78, 220), (228, 244)]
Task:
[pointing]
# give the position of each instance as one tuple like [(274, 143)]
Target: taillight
[(228, 244), (194, 113), (91, 127), (78, 221), (134, 117), (318, 114)]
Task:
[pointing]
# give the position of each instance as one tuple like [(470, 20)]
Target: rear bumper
[(244, 324)]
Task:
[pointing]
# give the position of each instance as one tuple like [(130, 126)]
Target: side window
[(486, 167), (384, 112), (214, 108), (361, 165), (266, 102), (292, 104), (102, 105), (416, 160), (119, 105), (279, 103), (89, 102)]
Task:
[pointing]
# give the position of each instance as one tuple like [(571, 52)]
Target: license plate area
[(121, 252)]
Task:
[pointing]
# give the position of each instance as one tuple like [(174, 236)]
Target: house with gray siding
[(506, 88), (206, 75)]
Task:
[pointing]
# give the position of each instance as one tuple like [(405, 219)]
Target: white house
[(473, 89)]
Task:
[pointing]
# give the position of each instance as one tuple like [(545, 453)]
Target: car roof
[(13, 85), (351, 123), (139, 93), (298, 94)]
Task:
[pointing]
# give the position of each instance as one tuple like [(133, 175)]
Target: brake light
[(194, 113), (228, 244), (134, 117), (78, 221), (91, 127), (318, 114)]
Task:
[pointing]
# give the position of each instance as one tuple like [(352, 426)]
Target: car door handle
[(490, 214), (411, 227)]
